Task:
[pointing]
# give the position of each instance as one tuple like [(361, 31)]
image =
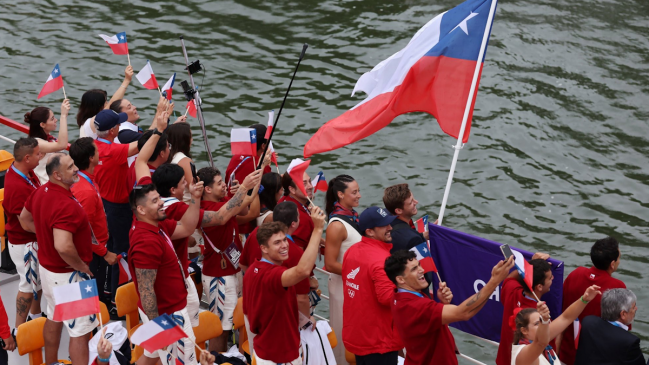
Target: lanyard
[(264, 260), (89, 181), (93, 238), (29, 181), (104, 140), (182, 272), (410, 291), (235, 170), (618, 324)]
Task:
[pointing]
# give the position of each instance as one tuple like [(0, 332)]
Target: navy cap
[(375, 217), (107, 119)]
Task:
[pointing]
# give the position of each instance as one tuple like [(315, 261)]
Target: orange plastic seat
[(209, 326), (136, 351), (333, 340), (351, 358), (126, 300), (30, 341), (237, 316)]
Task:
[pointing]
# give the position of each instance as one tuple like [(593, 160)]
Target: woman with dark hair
[(533, 330), (179, 136), (42, 123), (273, 192), (95, 100), (343, 195)]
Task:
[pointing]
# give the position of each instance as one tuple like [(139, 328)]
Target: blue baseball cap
[(373, 217), (107, 119)]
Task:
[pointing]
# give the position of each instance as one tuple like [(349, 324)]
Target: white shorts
[(193, 301), (222, 295), (76, 327), (297, 361), (183, 349), (251, 336), (25, 257)]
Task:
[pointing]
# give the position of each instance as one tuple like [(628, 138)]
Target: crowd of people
[(125, 192)]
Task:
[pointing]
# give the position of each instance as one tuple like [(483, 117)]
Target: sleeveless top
[(352, 237), (40, 169), (187, 197), (86, 129), (260, 219), (542, 360)]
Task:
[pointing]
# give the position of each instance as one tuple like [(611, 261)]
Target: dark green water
[(558, 154)]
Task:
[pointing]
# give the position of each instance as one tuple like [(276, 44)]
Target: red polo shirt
[(252, 252), (221, 237), (272, 312), (130, 178), (150, 249), (112, 171), (87, 193), (53, 206), (17, 190), (573, 288), (302, 234), (512, 297), (419, 323), (176, 211)]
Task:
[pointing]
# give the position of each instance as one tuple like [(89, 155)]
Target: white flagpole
[(467, 109)]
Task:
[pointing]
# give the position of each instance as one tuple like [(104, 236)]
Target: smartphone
[(193, 167), (507, 252)]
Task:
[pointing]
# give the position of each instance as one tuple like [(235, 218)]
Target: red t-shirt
[(573, 288), (150, 249), (419, 323), (252, 252), (176, 211), (512, 297), (17, 190), (88, 196), (221, 237), (302, 234), (130, 178), (5, 330), (112, 171), (272, 312), (53, 206)]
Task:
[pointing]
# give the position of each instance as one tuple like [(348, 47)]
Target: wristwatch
[(157, 132)]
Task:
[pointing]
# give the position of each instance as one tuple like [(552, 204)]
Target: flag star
[(121, 37), (425, 250), (463, 25), (56, 70), (164, 322), (88, 289)]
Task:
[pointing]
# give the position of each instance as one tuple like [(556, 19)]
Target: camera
[(187, 90), (194, 67)]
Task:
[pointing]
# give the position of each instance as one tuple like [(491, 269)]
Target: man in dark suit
[(607, 340)]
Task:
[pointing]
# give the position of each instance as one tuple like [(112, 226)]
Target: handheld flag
[(75, 300), (319, 182), (243, 141), (53, 83), (157, 333), (273, 154), (271, 122), (422, 224), (117, 43), (191, 108), (124, 272), (146, 77), (166, 89), (525, 270), (296, 170), (576, 326), (424, 257), (434, 73)]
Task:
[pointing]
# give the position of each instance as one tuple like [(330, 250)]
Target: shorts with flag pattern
[(183, 349), (222, 295), (76, 327), (25, 257)]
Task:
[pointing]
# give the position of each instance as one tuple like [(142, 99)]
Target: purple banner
[(465, 263)]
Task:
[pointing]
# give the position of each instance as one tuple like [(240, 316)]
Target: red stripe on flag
[(76, 309), (51, 86), (243, 148), (119, 48), (162, 339), (152, 83)]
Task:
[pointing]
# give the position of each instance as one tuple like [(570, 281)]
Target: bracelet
[(582, 300), (545, 322), (99, 359)]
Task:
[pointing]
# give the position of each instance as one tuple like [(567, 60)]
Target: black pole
[(261, 160)]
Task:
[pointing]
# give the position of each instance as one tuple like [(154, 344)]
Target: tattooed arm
[(145, 280), (470, 307), (227, 211)]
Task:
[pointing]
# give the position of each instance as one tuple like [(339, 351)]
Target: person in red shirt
[(269, 293), (295, 195), (422, 322), (514, 294), (85, 155), (64, 250), (159, 156), (368, 327), (605, 256), (20, 183)]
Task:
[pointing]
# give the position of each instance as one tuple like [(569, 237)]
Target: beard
[(161, 216)]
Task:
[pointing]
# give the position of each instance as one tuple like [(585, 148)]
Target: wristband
[(99, 359), (583, 300), (544, 321), (157, 132)]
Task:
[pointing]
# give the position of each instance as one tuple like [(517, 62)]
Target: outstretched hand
[(196, 190), (65, 107), (318, 217), (444, 294), (501, 270), (543, 309), (104, 347), (128, 73), (591, 292)]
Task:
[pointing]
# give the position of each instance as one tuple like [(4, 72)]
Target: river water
[(558, 153)]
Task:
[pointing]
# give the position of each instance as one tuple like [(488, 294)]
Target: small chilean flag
[(576, 327), (422, 224), (525, 269), (424, 257), (166, 90), (53, 83), (146, 77), (273, 154), (271, 123), (243, 141), (157, 333), (124, 272), (319, 182), (75, 300), (191, 108), (296, 171), (117, 42)]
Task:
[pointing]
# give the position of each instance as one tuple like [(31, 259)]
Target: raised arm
[(145, 281), (571, 313), (141, 167), (119, 93), (238, 202), (65, 247), (470, 307), (27, 221), (62, 142), (189, 221), (303, 269), (529, 355)]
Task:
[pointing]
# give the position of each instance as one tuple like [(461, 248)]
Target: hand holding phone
[(507, 251), (193, 167)]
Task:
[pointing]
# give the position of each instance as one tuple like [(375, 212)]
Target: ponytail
[(34, 118), (337, 184)]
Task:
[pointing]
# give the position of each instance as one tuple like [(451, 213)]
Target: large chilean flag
[(432, 74)]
